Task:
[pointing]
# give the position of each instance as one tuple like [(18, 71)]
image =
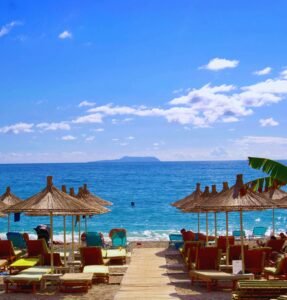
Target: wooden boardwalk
[(146, 277)]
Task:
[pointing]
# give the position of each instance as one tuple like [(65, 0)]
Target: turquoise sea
[(152, 186)]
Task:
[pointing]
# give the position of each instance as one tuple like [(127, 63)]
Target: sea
[(152, 186)]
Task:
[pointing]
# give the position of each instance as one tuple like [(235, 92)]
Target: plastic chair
[(118, 237), (17, 239), (94, 239), (259, 231)]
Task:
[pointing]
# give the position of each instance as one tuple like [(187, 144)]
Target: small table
[(211, 277), (76, 282), (52, 278)]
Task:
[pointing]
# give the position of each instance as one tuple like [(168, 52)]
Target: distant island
[(125, 159)]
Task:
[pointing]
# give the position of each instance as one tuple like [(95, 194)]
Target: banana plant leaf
[(277, 173)]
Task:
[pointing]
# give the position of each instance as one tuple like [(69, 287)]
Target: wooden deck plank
[(146, 277)]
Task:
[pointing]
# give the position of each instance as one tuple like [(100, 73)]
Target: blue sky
[(180, 80)]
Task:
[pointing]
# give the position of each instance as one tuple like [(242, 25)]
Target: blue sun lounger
[(176, 240)]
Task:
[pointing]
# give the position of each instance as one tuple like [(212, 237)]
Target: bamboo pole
[(73, 238), (227, 240), (52, 244), (65, 243), (206, 227), (242, 242)]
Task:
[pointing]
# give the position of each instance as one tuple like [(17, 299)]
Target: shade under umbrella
[(237, 198), (51, 201), (94, 198)]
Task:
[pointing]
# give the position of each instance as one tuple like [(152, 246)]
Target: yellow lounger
[(98, 271), (24, 263)]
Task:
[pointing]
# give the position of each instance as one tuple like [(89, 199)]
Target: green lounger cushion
[(25, 262), (98, 270)]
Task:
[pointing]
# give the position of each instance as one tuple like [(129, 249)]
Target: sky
[(180, 80)]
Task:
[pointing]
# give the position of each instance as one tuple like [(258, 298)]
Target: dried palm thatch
[(53, 201), (87, 195), (9, 198), (3, 206), (2, 215), (188, 199), (193, 206), (275, 195)]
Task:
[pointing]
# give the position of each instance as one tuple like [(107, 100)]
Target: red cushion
[(188, 236), (207, 258), (91, 256)]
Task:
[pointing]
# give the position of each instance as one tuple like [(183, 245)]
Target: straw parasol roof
[(193, 206), (188, 199), (9, 198), (52, 201), (3, 206), (235, 199), (87, 195), (275, 194)]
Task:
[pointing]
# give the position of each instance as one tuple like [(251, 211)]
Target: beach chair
[(37, 248), (254, 260), (279, 271), (57, 262), (192, 254), (207, 258), (187, 246), (29, 278), (235, 252), (259, 289), (118, 237), (176, 240), (237, 234), (17, 239), (94, 239), (7, 251), (76, 282), (188, 236), (92, 262), (275, 245), (222, 242), (115, 255), (259, 232)]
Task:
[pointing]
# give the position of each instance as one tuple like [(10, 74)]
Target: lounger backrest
[(91, 256), (17, 239), (259, 231), (276, 245), (254, 260), (119, 238), (36, 247), (208, 258), (6, 249), (235, 252), (175, 237), (94, 239), (237, 233), (56, 260), (221, 242), (192, 252)]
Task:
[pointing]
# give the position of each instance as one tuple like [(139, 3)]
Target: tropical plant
[(277, 173)]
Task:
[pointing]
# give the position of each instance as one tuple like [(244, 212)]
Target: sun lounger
[(28, 278), (116, 254), (92, 262), (17, 239), (23, 263), (222, 242), (176, 240), (237, 234), (259, 232), (212, 277), (7, 251), (76, 282), (259, 289), (94, 239), (118, 237), (275, 245), (279, 271)]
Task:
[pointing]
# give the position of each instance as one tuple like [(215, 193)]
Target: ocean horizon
[(151, 186)]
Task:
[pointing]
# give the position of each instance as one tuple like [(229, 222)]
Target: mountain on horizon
[(132, 159)]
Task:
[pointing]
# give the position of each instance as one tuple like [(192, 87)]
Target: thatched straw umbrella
[(87, 195), (276, 195), (9, 199), (237, 198), (51, 201), (188, 200)]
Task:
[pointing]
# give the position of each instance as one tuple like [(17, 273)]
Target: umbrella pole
[(206, 227), (242, 242), (86, 224), (79, 242), (8, 222), (65, 250), (73, 238), (273, 218), (215, 225), (52, 244), (227, 240), (198, 222)]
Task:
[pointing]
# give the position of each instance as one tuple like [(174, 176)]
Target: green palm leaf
[(263, 183), (273, 168)]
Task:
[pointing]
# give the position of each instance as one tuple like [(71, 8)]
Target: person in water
[(133, 204)]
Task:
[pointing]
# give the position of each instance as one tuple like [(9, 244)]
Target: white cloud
[(65, 35), (68, 138), (272, 140), (130, 138), (92, 118), (283, 74), (115, 140), (54, 126), (268, 122), (5, 29), (98, 129), (124, 144), (264, 71), (86, 103), (89, 138), (17, 128), (217, 64)]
